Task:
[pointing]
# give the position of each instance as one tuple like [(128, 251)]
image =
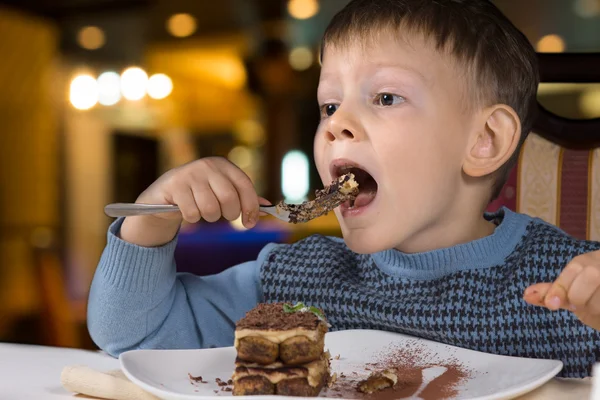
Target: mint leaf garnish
[(317, 312), (300, 307), (292, 309)]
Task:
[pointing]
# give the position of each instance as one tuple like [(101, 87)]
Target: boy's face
[(395, 108)]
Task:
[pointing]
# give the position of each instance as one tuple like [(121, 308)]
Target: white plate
[(164, 373)]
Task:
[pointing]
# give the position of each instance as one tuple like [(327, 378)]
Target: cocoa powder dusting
[(408, 362), (444, 387)]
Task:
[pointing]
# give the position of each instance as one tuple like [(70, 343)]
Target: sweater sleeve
[(138, 300)]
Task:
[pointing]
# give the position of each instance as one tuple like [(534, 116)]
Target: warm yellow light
[(240, 156), (134, 81), (250, 132), (301, 58), (91, 37), (83, 92), (228, 69), (303, 9), (551, 44), (181, 25), (159, 86), (109, 88), (590, 103)]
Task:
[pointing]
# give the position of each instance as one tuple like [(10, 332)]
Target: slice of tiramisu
[(281, 332), (280, 350)]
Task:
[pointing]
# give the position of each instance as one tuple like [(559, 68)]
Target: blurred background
[(100, 97)]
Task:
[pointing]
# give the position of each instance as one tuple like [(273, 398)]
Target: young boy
[(433, 98)]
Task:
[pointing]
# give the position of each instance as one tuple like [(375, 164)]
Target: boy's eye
[(388, 99), (329, 109)]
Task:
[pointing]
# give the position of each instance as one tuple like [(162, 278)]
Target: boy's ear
[(493, 141)]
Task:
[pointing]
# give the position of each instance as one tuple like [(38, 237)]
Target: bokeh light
[(303, 9), (109, 88), (159, 86), (587, 8), (295, 176), (551, 44), (134, 82), (83, 92), (181, 25), (91, 37), (240, 156), (301, 58)]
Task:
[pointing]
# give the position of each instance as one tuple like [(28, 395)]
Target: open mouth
[(367, 186)]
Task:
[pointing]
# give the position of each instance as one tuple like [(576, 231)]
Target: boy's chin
[(361, 243)]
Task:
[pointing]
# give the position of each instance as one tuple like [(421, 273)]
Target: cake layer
[(258, 385), (278, 378), (295, 350)]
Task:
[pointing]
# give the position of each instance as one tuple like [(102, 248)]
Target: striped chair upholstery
[(556, 184)]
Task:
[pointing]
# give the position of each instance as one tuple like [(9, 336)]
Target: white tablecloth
[(33, 372)]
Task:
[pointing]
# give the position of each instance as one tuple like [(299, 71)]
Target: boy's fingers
[(227, 195), (207, 202), (593, 305), (558, 295), (583, 287), (264, 202), (187, 205), (247, 194), (535, 294)]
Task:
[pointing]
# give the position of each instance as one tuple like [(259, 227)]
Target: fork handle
[(131, 209), (117, 210)]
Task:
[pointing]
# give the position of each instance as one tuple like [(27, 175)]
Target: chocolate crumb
[(195, 378), (220, 382), (378, 381), (228, 389), (230, 382), (336, 357)]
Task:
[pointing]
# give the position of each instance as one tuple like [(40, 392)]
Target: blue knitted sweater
[(468, 295)]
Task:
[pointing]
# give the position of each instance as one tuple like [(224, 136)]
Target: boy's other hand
[(577, 289), (208, 188)]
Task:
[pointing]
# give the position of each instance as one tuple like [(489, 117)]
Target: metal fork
[(116, 210)]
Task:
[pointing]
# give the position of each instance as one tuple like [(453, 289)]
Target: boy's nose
[(342, 127)]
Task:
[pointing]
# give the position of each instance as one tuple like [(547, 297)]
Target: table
[(33, 372)]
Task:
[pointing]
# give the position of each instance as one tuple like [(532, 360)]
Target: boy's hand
[(577, 289), (209, 188)]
